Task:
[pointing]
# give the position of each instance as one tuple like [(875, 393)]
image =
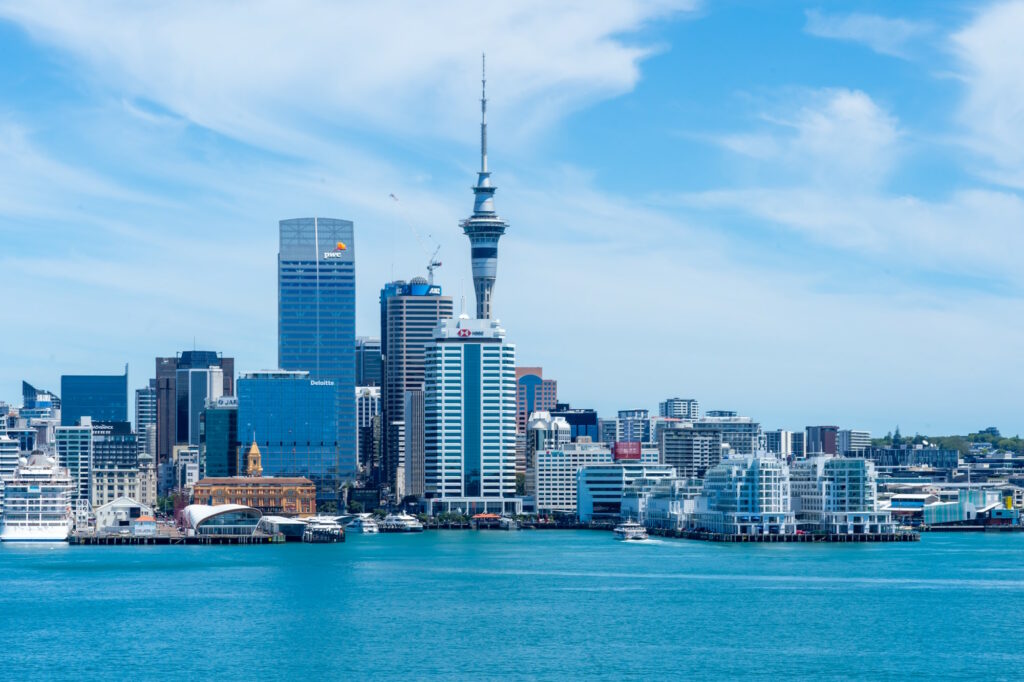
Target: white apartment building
[(679, 408), (663, 503), (690, 451), (741, 433), (746, 495), (470, 419), (852, 441), (599, 487), (837, 495)]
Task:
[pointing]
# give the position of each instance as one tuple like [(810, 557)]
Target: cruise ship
[(401, 523), (37, 502)]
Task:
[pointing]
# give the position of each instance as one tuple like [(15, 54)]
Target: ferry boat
[(323, 529), (37, 502), (630, 530), (401, 523), (364, 523)]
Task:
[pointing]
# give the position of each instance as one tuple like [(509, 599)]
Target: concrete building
[(746, 495), (583, 422), (599, 487), (369, 362), (799, 441), (691, 452), (484, 228), (741, 433), (853, 442), (470, 419), (119, 514), (8, 456), (679, 408), (367, 407), (534, 393), (552, 478), (543, 432), (838, 496), (409, 313), (415, 444), (661, 503), (779, 442), (145, 413), (186, 463), (822, 440), (634, 426), (74, 453)]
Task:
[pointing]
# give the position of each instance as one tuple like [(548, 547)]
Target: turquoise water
[(530, 604)]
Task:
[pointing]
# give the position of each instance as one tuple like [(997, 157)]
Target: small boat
[(630, 530), (364, 523), (400, 523)]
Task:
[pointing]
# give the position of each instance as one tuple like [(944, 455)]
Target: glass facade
[(291, 417), (102, 397), (218, 435), (317, 320), (114, 446)]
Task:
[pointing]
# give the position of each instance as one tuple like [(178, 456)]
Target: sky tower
[(484, 228)]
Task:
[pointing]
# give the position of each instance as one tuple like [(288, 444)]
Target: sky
[(810, 213)]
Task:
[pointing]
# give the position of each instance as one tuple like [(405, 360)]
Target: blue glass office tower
[(292, 417), (316, 332), (102, 397)]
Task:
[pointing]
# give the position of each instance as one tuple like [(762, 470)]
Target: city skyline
[(859, 286)]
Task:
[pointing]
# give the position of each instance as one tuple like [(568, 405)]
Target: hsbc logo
[(465, 332)]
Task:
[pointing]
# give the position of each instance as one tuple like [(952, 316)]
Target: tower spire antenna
[(483, 112)]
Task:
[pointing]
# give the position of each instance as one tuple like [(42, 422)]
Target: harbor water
[(513, 605)]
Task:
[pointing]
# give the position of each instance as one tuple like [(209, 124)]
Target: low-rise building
[(837, 495), (599, 487), (746, 495), (284, 496), (662, 503), (120, 514), (220, 520)]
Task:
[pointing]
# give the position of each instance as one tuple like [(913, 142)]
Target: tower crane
[(432, 262)]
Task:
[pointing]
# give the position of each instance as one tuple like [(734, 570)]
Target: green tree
[(355, 507), (520, 484)]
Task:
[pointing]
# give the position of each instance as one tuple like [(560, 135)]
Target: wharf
[(172, 539), (807, 537)]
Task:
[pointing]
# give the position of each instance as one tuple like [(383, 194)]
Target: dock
[(172, 539), (806, 537)]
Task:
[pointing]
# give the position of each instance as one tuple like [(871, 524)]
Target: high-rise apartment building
[(292, 418), (316, 280), (415, 444), (74, 453), (470, 418), (852, 441), (409, 314), (742, 434), (172, 400), (779, 442), (102, 397), (634, 426), (679, 408), (369, 367), (691, 452)]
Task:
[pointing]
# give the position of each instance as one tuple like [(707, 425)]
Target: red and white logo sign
[(464, 333)]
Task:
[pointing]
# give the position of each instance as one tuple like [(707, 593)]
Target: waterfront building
[(74, 453), (661, 503), (822, 440), (852, 441), (779, 442), (415, 444), (409, 313), (317, 320), (837, 495), (484, 228), (470, 419), (293, 419), (367, 408), (544, 432), (120, 514), (176, 403), (679, 408), (218, 437), (369, 362), (101, 397), (599, 487), (285, 495), (145, 413), (691, 452), (582, 422), (912, 456), (746, 495), (37, 501), (742, 434), (221, 520)]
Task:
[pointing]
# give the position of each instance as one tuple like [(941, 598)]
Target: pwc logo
[(338, 251), (464, 333)]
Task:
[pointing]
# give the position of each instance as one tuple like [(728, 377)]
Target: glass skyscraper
[(316, 332), (218, 436), (102, 397), (292, 418)]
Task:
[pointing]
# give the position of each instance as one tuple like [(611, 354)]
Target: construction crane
[(432, 262)]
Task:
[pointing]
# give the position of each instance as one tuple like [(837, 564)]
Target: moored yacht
[(630, 530), (363, 523), (37, 502), (401, 523)]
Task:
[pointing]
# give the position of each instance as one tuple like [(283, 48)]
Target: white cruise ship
[(37, 502)]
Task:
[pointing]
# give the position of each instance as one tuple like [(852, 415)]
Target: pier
[(804, 537), (173, 539)]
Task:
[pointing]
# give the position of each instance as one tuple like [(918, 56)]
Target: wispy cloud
[(893, 37)]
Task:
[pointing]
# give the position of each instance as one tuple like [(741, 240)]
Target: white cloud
[(261, 72), (892, 37), (992, 61)]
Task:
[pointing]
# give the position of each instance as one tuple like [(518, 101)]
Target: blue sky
[(806, 212)]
